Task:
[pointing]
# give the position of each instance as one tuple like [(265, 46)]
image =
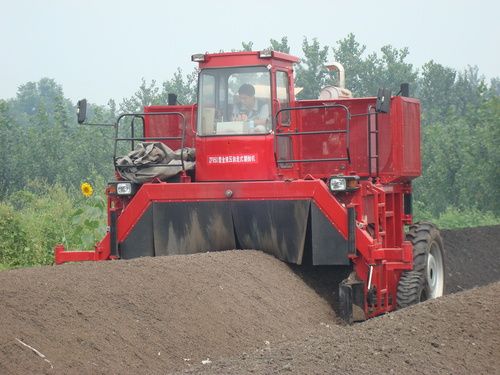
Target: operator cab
[(239, 95)]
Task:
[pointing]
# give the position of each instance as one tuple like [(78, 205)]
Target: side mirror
[(81, 112), (172, 99), (383, 103)]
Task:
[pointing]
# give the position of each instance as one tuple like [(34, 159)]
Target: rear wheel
[(410, 289), (428, 258)]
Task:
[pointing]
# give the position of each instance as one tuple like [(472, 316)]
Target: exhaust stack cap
[(335, 92), (336, 66)]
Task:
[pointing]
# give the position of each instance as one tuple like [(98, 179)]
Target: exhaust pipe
[(340, 68), (335, 92)]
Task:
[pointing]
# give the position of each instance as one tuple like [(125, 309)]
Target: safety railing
[(134, 139), (345, 131)]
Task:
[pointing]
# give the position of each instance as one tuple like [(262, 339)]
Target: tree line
[(41, 144)]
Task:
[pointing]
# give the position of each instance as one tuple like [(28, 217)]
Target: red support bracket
[(61, 255)]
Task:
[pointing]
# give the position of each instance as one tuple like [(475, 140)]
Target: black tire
[(410, 289), (428, 257)]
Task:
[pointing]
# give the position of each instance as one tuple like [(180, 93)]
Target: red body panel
[(398, 144), (171, 126), (237, 158)]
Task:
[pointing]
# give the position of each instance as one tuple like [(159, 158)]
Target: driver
[(248, 108)]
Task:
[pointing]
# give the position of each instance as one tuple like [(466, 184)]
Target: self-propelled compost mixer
[(319, 182)]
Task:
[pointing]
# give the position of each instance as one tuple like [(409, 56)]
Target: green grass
[(455, 218), (34, 220)]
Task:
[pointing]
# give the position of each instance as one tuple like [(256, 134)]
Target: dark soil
[(153, 313), (473, 257), (244, 311), (457, 334)]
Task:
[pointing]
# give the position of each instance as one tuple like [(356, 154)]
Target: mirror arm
[(81, 114), (97, 124)]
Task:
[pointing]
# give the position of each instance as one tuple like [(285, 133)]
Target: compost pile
[(242, 312)]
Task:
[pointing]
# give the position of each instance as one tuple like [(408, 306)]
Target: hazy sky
[(102, 49)]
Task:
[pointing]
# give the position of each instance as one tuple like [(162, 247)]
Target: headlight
[(124, 188), (344, 183), (338, 184)]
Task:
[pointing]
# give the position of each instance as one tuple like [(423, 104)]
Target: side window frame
[(285, 117), (201, 91)]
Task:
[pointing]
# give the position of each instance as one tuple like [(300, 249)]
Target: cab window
[(234, 101)]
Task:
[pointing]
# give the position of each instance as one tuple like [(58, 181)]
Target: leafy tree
[(27, 98), (247, 46), (460, 161), (365, 75), (41, 117), (435, 88), (46, 144), (281, 46), (183, 86), (480, 176), (391, 70), (311, 74), (147, 94), (468, 89), (151, 94), (7, 148), (34, 98), (349, 52), (112, 108), (494, 89), (60, 112)]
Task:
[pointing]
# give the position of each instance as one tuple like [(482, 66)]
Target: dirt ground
[(242, 312), (472, 257), (457, 334)]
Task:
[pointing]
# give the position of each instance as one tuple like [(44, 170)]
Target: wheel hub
[(435, 272)]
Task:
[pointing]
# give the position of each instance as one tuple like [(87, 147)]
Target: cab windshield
[(234, 101)]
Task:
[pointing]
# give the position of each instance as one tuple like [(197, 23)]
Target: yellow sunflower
[(87, 189)]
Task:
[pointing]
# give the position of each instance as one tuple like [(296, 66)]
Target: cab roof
[(244, 58)]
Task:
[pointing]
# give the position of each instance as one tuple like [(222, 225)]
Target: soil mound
[(167, 314), (151, 314), (456, 334)]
